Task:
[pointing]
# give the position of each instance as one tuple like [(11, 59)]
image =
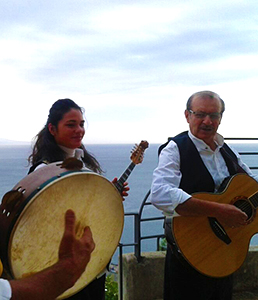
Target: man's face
[(203, 126)]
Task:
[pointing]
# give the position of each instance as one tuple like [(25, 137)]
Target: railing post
[(120, 271), (137, 237)]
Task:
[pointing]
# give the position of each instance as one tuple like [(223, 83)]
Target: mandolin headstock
[(138, 152)]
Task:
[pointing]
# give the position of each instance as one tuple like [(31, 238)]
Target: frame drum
[(35, 235)]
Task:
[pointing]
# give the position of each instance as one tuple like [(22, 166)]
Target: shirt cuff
[(5, 290)]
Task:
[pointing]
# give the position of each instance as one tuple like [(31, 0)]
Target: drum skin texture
[(34, 236)]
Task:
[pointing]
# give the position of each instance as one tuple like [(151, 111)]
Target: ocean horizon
[(114, 159)]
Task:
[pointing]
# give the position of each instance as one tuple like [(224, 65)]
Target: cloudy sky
[(131, 64)]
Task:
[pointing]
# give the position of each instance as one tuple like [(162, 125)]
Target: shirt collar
[(69, 152), (201, 145), (78, 153)]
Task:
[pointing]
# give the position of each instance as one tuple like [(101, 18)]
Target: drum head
[(36, 236)]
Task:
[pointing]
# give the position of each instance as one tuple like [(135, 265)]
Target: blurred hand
[(75, 252)]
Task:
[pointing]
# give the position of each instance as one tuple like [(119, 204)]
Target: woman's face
[(70, 129)]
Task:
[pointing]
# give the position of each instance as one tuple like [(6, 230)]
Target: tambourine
[(32, 220)]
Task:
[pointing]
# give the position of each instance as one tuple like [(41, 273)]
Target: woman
[(61, 135), (59, 139)]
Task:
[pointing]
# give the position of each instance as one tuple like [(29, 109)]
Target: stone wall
[(144, 280)]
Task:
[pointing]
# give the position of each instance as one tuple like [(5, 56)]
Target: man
[(74, 255), (196, 161)]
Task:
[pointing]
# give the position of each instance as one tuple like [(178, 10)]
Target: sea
[(114, 159)]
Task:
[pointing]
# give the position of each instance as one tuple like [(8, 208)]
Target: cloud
[(123, 60)]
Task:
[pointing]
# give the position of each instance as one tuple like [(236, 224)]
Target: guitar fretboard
[(254, 200)]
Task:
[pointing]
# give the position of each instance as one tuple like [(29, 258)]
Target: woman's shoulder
[(37, 166)]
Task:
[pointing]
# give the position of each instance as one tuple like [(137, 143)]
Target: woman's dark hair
[(46, 148)]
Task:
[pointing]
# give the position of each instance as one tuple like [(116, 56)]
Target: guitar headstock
[(138, 151)]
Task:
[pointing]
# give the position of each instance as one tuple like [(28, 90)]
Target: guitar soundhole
[(246, 207)]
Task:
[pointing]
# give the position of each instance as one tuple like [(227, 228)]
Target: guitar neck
[(120, 183), (254, 200)]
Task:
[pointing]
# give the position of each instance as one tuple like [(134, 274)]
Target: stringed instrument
[(212, 248), (1, 268), (136, 158), (32, 215)]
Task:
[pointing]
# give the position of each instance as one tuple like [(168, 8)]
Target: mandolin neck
[(120, 183)]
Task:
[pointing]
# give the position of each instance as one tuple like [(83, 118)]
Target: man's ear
[(52, 129), (220, 119), (187, 115)]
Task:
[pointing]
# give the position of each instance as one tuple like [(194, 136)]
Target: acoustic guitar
[(1, 268), (212, 248)]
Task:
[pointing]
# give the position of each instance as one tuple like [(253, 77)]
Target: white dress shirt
[(165, 191)]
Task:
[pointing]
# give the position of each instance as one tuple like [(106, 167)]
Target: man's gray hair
[(203, 94)]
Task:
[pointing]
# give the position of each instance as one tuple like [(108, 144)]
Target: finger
[(114, 180), (87, 237), (242, 212), (69, 221), (68, 235)]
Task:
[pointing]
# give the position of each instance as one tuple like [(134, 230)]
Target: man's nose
[(207, 120)]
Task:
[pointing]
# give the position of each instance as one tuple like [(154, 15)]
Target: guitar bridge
[(219, 231)]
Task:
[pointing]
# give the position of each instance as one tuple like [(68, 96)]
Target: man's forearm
[(198, 207), (47, 284), (226, 213)]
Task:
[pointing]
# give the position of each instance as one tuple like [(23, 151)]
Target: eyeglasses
[(202, 115)]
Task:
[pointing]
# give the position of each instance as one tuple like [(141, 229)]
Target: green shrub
[(162, 244), (111, 288)]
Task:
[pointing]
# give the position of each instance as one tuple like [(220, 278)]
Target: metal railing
[(137, 239), (138, 220)]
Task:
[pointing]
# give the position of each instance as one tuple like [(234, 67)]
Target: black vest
[(195, 175)]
